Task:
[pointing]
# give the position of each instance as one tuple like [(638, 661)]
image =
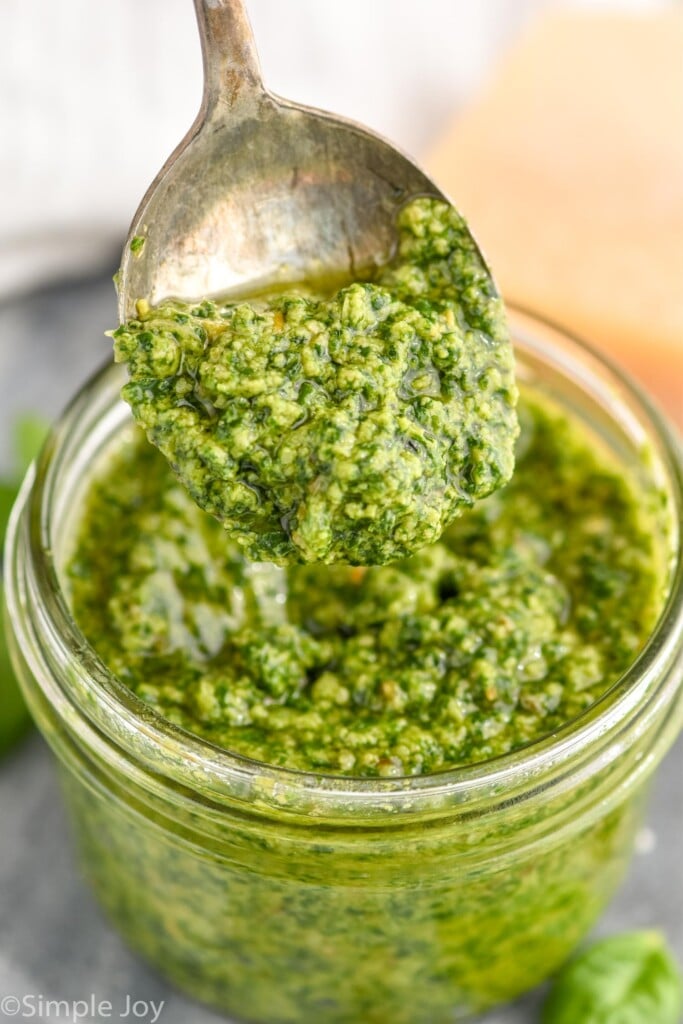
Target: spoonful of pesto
[(317, 423)]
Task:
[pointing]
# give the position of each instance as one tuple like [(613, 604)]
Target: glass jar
[(283, 896)]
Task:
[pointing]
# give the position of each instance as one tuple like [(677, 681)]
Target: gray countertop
[(54, 943)]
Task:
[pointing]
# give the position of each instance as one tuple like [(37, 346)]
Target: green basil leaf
[(14, 719), (627, 979), (29, 434), (8, 493)]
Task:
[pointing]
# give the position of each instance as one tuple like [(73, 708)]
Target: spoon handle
[(232, 74)]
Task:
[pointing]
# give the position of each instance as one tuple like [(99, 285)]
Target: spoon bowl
[(261, 191)]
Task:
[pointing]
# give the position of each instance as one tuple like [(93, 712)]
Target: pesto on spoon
[(351, 428)]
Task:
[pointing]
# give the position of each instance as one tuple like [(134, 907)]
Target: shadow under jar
[(282, 896)]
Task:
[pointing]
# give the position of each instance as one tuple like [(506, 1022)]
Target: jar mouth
[(115, 715)]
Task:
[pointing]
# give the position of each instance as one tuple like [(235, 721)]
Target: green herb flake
[(626, 979), (137, 245)]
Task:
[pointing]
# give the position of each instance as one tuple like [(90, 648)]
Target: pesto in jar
[(526, 610), (349, 428)]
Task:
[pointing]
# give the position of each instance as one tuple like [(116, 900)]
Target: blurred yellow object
[(570, 170)]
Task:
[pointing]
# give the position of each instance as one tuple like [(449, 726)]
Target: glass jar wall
[(283, 896)]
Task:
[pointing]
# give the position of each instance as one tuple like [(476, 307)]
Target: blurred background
[(557, 128), (95, 96)]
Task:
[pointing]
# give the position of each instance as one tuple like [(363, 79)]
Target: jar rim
[(215, 772)]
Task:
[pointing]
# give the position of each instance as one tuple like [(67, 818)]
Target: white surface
[(94, 95)]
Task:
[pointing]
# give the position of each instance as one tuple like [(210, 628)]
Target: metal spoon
[(261, 190)]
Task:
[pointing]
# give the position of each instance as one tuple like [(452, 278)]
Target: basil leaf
[(29, 434), (14, 719), (8, 493), (627, 979)]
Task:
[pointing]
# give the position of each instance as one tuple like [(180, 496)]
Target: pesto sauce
[(526, 610), (351, 428), (280, 927)]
